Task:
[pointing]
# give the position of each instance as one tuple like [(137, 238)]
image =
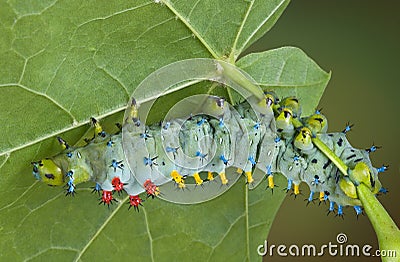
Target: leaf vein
[(78, 124), (50, 248), (20, 196), (105, 223), (113, 14), (154, 26), (45, 96), (226, 233), (260, 25), (149, 234), (186, 22), (232, 55)]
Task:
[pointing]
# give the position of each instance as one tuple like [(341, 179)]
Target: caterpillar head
[(48, 172), (303, 139)]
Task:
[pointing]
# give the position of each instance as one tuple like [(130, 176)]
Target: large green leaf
[(64, 61)]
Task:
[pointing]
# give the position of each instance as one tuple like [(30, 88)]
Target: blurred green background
[(359, 41)]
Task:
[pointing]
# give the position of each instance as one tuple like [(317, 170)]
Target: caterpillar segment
[(185, 152)]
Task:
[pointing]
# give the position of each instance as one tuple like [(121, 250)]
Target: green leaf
[(64, 61), (289, 72)]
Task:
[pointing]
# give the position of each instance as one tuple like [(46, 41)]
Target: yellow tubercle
[(249, 177), (133, 112), (62, 142), (271, 181), (157, 191), (197, 178), (97, 127), (296, 189), (321, 196), (210, 176), (224, 181), (178, 178), (239, 171)]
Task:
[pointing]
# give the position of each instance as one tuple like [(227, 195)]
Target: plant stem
[(242, 80), (332, 156), (386, 230)]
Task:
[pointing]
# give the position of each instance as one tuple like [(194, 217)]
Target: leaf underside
[(65, 61)]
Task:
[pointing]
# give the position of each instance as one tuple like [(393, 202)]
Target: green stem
[(332, 156), (386, 230), (242, 80)]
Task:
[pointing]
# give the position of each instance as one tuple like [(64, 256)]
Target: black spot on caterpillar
[(202, 136)]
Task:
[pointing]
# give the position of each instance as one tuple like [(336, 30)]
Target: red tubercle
[(151, 189), (107, 198), (135, 201), (117, 184)]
